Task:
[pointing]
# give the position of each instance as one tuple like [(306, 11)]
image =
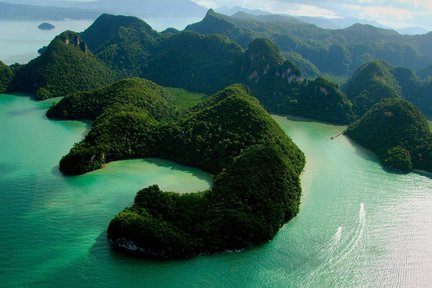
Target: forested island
[(256, 167), (102, 72)]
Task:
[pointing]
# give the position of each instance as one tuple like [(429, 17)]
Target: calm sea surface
[(20, 40), (359, 226)]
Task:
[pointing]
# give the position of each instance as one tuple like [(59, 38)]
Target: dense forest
[(398, 133), (339, 52), (135, 92), (256, 167), (377, 80), (64, 67), (208, 63), (6, 76), (115, 47)]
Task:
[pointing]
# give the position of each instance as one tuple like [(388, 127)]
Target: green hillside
[(279, 86), (65, 66), (195, 62), (6, 75), (256, 168), (377, 80), (124, 43), (137, 92), (339, 52), (398, 133), (371, 83), (208, 63)]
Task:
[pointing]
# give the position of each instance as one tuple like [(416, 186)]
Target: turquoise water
[(359, 226)]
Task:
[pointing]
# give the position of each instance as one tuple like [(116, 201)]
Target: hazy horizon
[(395, 14)]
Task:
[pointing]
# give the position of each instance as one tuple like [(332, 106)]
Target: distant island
[(46, 26)]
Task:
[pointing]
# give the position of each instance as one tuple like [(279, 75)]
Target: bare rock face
[(76, 41)]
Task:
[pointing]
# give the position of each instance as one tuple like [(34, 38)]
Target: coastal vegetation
[(376, 80), (6, 76), (398, 133), (255, 165)]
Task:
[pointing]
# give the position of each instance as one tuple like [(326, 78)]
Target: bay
[(359, 225), (51, 222)]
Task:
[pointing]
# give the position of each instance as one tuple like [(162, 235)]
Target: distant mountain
[(10, 11), (425, 72), (140, 8), (413, 31), (339, 52), (236, 9), (338, 23), (326, 23)]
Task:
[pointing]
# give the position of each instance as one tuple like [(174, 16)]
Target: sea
[(359, 225)]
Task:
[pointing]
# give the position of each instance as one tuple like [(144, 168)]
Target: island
[(116, 74), (256, 167), (398, 133), (46, 26)]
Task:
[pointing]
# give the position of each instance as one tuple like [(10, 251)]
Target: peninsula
[(256, 167)]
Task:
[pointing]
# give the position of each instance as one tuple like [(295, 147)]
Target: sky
[(391, 13)]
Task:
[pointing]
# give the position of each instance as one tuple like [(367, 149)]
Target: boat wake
[(339, 254)]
